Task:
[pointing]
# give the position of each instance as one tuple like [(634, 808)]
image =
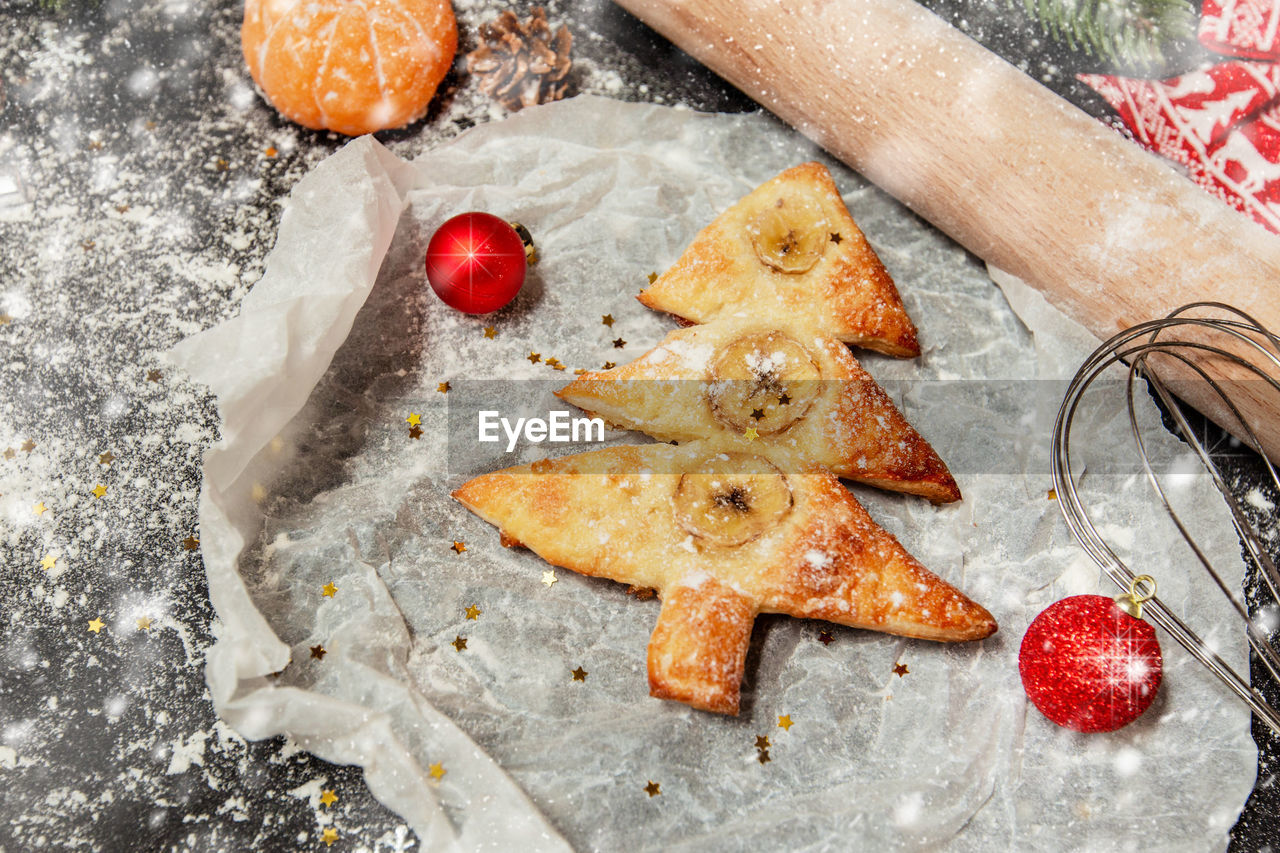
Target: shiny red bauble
[(1088, 665), (476, 262)]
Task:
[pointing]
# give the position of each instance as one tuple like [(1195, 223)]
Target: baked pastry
[(721, 533), (796, 388), (789, 249)]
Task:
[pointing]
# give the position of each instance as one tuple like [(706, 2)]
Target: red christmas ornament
[(1089, 665), (476, 262)]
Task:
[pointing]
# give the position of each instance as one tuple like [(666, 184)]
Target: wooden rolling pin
[(1109, 233)]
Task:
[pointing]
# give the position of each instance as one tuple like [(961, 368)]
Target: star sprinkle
[(579, 674), (490, 332), (106, 458), (619, 343), (534, 357), (552, 362), (329, 836), (48, 562), (900, 670), (609, 365), (474, 612), (40, 508), (415, 433), (825, 637), (836, 238), (5, 319), (607, 319), (458, 547), (221, 165), (558, 366), (414, 419), (459, 643), (757, 413), (549, 577), (751, 434), (329, 590), (190, 543), (762, 742), (437, 771), (87, 245), (653, 789), (653, 276), (784, 722), (99, 490), (96, 625), (144, 623), (784, 399), (270, 151), (28, 445), (8, 453), (763, 757), (443, 387), (318, 652), (1052, 494), (328, 798), (153, 375)]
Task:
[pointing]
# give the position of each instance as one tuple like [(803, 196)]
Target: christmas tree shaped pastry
[(722, 533), (789, 249), (794, 387)]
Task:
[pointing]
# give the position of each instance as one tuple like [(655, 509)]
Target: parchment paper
[(318, 481)]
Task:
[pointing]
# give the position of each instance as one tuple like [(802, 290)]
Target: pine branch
[(1126, 32)]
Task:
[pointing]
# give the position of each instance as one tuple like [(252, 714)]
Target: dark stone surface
[(152, 200)]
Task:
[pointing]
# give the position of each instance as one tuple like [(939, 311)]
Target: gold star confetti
[(784, 398), (751, 434), (459, 643), (96, 145), (328, 798), (558, 367), (154, 375), (48, 562), (106, 458), (99, 490), (757, 413), (415, 433), (437, 771), (190, 543), (609, 365), (552, 362), (271, 151), (474, 612), (151, 125), (825, 637), (443, 387), (607, 319), (1052, 495), (8, 453), (549, 577), (87, 245), (784, 722), (329, 836), (414, 419), (40, 508), (762, 742), (318, 652), (836, 238), (5, 319), (653, 276), (221, 165), (534, 357), (329, 590), (579, 674), (122, 208), (96, 624), (458, 547), (619, 343), (144, 623), (578, 371), (764, 756), (28, 445), (900, 670), (490, 332), (653, 789)]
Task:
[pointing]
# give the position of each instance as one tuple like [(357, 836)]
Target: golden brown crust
[(853, 427), (848, 293), (698, 650), (609, 513)]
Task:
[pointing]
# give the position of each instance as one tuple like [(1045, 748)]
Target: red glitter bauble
[(476, 263), (1088, 665)]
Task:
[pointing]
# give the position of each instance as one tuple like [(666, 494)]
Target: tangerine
[(352, 66)]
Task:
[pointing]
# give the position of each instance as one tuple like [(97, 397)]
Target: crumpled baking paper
[(317, 480)]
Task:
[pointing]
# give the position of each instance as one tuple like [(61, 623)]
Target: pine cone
[(521, 65)]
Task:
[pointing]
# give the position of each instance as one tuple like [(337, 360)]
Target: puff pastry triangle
[(722, 534), (731, 374), (789, 248)]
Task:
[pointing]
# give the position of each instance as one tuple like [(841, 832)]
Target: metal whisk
[(1257, 351)]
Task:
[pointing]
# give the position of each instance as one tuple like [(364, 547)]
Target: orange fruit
[(353, 66)]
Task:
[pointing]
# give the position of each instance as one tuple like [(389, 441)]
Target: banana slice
[(790, 234), (764, 380), (730, 499)]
